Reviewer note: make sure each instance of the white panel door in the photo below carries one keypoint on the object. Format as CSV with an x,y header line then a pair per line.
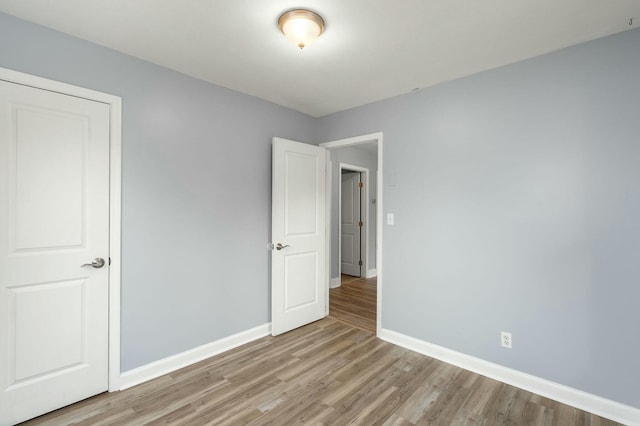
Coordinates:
x,y
350,229
54,217
298,269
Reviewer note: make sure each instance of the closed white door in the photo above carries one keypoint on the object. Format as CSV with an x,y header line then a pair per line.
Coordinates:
x,y
350,225
298,262
54,217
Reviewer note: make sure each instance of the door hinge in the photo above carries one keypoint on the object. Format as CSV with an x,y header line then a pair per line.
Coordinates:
x,y
360,224
360,262
360,184
109,261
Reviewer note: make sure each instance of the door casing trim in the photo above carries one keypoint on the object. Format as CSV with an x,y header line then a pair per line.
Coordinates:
x,y
341,143
115,189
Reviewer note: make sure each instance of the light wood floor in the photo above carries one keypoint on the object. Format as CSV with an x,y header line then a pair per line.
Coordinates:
x,y
354,302
324,373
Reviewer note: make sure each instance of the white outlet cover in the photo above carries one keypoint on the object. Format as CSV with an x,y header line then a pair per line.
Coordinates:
x,y
505,340
390,219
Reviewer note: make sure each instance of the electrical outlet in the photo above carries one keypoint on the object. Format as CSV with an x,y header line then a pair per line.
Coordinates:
x,y
505,340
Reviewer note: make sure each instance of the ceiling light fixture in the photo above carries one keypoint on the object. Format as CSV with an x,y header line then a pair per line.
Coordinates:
x,y
301,26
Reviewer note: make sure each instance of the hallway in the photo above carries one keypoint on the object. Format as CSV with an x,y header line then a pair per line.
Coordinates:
x,y
354,302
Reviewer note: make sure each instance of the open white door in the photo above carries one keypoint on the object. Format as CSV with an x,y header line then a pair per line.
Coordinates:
x,y
298,261
54,193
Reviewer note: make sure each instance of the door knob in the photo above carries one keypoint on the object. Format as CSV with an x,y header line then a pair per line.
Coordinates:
x,y
98,262
280,246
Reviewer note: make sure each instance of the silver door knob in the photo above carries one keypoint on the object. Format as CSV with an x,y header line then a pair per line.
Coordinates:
x,y
98,262
280,246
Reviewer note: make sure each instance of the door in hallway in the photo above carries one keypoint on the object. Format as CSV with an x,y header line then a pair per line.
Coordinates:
x,y
351,224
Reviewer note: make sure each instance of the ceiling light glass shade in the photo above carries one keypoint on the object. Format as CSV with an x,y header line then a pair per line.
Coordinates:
x,y
302,27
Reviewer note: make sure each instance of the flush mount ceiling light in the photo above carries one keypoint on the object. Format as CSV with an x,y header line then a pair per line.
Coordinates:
x,y
301,26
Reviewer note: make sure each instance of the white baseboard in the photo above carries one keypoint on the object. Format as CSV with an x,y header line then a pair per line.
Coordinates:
x,y
576,398
167,365
373,272
334,282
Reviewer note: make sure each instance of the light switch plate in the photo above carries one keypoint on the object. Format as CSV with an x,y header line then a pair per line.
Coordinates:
x,y
390,219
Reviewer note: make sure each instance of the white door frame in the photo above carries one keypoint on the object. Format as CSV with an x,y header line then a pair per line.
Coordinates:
x,y
115,169
341,143
364,238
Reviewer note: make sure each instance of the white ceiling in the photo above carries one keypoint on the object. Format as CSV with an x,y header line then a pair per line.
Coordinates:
x,y
371,50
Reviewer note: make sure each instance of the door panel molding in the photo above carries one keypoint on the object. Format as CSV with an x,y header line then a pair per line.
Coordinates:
x,y
115,171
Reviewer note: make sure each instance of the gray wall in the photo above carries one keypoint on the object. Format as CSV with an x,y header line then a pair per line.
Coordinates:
x,y
517,206
354,156
196,197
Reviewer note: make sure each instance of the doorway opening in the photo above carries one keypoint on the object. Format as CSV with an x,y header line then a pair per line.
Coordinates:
x,y
354,231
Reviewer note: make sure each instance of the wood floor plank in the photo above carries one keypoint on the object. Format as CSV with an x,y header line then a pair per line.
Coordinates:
x,y
354,302
326,373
